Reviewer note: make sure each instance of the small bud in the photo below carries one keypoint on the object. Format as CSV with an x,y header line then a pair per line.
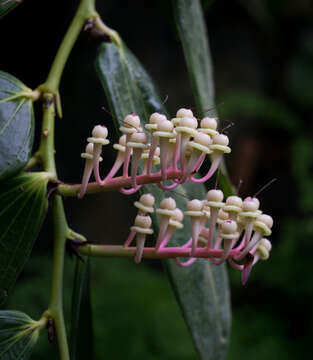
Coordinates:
x,y
182,113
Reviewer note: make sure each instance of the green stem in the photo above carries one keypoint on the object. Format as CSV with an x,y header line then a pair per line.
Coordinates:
x,y
85,11
55,309
46,148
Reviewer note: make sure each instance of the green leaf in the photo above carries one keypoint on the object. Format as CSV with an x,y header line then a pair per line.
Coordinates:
x,y
23,207
8,5
193,36
81,324
202,289
192,32
18,335
16,125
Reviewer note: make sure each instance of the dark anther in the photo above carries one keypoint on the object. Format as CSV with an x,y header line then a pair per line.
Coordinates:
x,y
51,330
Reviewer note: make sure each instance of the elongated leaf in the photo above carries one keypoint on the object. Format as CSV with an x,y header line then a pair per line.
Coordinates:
x,y
18,335
81,324
23,206
202,290
192,32
7,5
16,126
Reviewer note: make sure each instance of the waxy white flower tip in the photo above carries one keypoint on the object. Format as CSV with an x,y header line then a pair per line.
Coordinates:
x,y
189,122
215,195
182,113
250,204
156,118
266,219
138,137
228,227
220,139
222,215
143,221
88,154
202,139
147,200
234,201
208,123
168,204
178,215
89,148
194,205
266,243
263,249
166,126
100,131
122,140
132,121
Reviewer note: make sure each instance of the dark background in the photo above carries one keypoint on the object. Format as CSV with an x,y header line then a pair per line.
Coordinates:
x,y
262,53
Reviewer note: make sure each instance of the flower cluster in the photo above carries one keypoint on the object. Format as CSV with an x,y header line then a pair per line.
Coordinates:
x,y
233,230
179,145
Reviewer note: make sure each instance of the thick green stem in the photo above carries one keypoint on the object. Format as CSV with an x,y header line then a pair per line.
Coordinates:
x,y
46,149
56,300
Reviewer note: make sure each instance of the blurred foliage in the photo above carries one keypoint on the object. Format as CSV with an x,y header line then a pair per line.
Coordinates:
x,y
132,306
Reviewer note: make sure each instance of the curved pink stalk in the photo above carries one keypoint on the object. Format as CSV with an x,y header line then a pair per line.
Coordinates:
x,y
168,187
227,249
164,147
176,152
153,146
162,230
140,243
248,263
130,238
97,148
235,265
195,228
130,190
199,162
191,165
251,244
213,220
215,164
167,237
185,263
86,176
135,164
127,157
187,244
248,231
184,139
116,166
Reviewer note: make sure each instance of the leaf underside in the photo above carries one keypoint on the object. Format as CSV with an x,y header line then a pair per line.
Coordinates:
x,y
16,126
23,207
202,289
